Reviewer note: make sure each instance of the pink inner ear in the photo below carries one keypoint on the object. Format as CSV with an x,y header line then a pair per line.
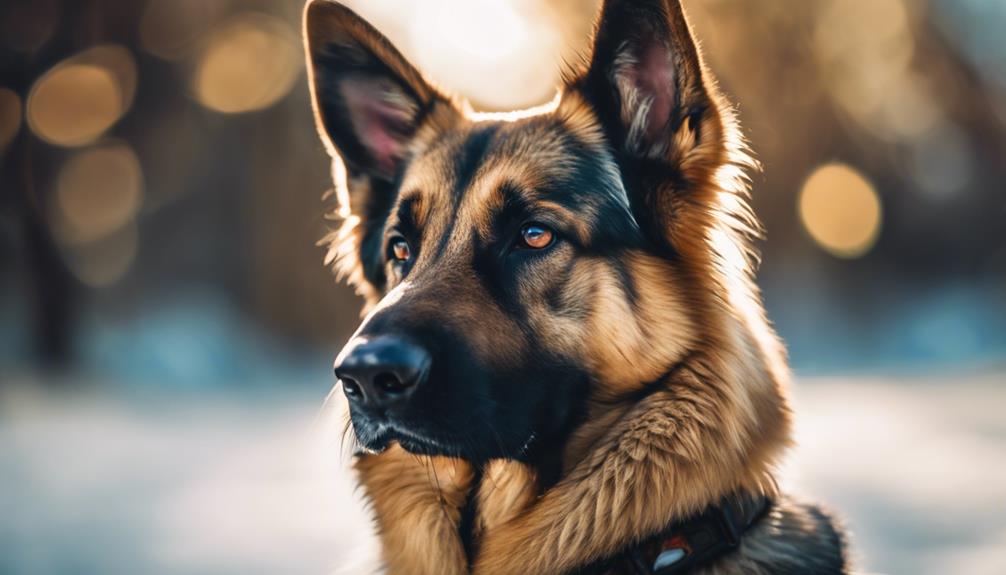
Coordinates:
x,y
655,79
378,123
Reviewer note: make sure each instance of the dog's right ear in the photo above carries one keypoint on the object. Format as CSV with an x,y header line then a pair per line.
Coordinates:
x,y
370,106
368,100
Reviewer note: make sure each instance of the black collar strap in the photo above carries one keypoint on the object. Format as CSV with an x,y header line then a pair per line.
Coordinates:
x,y
697,540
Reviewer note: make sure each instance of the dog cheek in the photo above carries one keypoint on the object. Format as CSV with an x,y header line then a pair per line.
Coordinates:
x,y
561,337
624,329
559,308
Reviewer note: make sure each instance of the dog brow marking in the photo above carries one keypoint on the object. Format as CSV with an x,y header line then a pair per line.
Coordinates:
x,y
462,160
430,185
527,162
416,208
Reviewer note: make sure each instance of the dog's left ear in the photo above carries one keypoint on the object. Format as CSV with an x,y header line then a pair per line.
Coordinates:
x,y
658,107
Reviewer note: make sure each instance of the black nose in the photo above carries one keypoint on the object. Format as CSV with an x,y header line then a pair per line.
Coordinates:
x,y
381,371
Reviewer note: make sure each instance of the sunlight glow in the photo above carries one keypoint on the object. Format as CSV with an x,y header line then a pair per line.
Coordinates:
x,y
501,54
489,30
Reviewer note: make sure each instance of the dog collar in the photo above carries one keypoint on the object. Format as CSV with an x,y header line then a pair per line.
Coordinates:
x,y
695,541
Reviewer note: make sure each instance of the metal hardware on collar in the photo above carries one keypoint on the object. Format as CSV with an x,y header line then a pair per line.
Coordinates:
x,y
695,541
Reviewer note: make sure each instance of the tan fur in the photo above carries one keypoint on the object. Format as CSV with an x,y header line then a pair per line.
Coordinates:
x,y
622,339
416,501
506,490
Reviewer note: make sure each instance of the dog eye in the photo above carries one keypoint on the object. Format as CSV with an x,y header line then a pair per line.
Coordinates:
x,y
399,250
536,236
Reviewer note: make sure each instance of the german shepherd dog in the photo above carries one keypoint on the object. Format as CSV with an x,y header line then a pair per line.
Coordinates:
x,y
564,366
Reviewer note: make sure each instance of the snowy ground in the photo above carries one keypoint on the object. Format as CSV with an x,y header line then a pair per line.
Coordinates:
x,y
248,483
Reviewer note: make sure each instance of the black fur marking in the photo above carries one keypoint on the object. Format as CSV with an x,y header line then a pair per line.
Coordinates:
x,y
588,185
379,203
466,526
470,156
627,282
405,219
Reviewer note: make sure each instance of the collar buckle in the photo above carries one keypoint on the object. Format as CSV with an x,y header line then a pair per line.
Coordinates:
x,y
705,537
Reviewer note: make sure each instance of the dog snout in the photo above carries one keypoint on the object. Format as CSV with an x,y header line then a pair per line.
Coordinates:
x,y
383,371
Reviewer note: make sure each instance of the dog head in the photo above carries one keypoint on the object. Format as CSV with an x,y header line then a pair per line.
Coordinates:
x,y
518,267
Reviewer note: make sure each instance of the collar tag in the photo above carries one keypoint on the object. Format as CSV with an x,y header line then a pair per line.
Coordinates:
x,y
668,558
704,537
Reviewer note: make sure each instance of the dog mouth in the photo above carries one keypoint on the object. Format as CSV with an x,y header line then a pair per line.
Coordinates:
x,y
379,438
375,439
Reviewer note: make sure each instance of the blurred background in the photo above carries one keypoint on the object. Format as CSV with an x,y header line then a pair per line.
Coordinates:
x,y
167,325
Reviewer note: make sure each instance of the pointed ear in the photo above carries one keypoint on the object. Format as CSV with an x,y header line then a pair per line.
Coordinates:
x,y
368,100
646,79
370,106
678,147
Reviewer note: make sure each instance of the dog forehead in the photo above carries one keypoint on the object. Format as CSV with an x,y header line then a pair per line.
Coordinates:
x,y
472,167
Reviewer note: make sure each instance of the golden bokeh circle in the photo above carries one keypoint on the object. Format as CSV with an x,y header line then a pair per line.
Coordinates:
x,y
170,29
249,63
119,62
98,192
841,210
106,261
73,105
80,98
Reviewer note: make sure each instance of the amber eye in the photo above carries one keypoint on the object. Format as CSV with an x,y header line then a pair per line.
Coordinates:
x,y
536,236
400,250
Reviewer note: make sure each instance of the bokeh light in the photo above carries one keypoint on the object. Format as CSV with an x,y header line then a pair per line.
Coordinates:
x,y
865,49
10,116
170,29
98,192
73,105
26,26
942,161
119,62
863,45
105,261
249,64
80,98
840,210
